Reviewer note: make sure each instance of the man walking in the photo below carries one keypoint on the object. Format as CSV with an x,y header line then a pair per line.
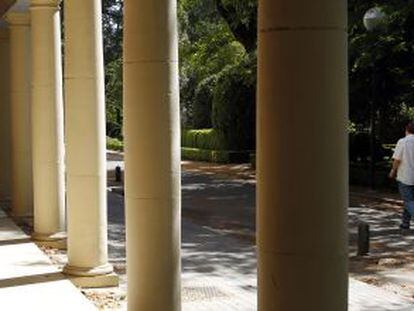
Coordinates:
x,y
403,171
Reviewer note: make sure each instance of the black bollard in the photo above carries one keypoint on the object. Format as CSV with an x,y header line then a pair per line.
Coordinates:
x,y
118,174
363,239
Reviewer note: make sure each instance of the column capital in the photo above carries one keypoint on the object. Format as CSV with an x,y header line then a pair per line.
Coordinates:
x,y
18,18
43,4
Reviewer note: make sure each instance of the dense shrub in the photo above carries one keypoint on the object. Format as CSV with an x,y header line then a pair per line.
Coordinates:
x,y
188,84
114,114
234,106
207,139
114,144
203,101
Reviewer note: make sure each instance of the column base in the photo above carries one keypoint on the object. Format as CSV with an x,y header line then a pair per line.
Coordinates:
x,y
98,277
57,240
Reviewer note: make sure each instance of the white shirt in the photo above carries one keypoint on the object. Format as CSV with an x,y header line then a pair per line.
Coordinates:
x,y
404,151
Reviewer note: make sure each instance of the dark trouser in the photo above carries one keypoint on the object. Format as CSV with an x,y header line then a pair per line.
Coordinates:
x,y
407,194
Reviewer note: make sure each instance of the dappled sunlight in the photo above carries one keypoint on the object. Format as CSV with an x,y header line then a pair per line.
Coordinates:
x,y
206,251
212,201
386,237
116,235
390,261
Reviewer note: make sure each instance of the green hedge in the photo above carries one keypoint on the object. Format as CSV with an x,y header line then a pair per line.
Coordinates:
x,y
207,139
216,156
234,105
114,144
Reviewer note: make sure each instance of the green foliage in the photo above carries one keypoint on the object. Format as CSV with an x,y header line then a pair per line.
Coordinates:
x,y
214,34
203,100
202,139
215,156
114,98
241,16
234,105
112,18
381,67
207,45
114,144
112,23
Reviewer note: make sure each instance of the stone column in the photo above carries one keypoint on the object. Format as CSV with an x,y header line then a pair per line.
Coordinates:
x,y
86,146
302,155
47,123
20,75
5,135
152,154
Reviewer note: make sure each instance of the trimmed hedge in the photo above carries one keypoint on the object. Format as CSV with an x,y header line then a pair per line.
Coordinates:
x,y
216,156
114,144
207,139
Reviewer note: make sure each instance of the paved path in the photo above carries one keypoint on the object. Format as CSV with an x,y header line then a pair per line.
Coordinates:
x,y
364,297
219,270
219,203
28,279
219,260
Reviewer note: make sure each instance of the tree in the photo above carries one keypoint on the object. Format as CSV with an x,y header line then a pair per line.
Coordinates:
x,y
207,45
112,19
241,16
381,66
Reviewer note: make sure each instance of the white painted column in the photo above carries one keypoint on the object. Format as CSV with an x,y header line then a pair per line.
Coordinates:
x,y
20,75
302,155
5,126
47,122
152,155
85,138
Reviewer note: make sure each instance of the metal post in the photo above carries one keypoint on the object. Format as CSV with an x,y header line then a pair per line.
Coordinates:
x,y
118,174
363,239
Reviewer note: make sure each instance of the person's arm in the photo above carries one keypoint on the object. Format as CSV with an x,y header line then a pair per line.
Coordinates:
x,y
394,169
396,159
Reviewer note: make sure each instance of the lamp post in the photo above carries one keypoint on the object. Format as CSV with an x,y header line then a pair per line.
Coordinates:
x,y
374,21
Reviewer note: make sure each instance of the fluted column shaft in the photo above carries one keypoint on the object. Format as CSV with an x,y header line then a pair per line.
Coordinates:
x,y
302,155
47,121
85,139
152,155
20,76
